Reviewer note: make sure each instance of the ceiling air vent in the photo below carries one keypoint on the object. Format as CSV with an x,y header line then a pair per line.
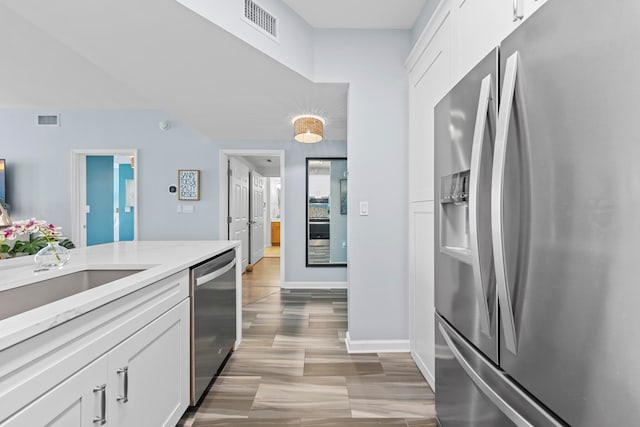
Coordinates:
x,y
48,120
260,17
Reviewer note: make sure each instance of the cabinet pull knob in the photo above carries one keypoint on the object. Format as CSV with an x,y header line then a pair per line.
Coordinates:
x,y
102,418
124,397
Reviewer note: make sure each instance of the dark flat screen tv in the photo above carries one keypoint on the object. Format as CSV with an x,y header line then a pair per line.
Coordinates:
x,y
3,196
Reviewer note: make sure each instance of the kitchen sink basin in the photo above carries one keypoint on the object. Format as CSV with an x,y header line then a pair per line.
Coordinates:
x,y
23,298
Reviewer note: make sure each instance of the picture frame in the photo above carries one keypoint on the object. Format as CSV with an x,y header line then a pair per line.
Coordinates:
x,y
189,184
343,197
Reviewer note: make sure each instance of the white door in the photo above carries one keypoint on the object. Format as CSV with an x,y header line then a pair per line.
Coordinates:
x,y
239,206
257,215
104,196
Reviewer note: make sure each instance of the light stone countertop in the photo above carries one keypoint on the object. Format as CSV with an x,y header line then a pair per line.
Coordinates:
x,y
159,259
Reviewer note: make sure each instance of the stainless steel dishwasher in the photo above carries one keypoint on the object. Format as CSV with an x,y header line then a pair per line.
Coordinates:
x,y
213,319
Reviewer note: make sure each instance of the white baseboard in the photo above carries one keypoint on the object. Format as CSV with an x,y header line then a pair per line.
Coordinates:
x,y
376,346
314,285
426,373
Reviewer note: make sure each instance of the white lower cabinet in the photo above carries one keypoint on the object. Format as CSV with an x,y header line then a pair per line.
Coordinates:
x,y
149,373
143,381
75,402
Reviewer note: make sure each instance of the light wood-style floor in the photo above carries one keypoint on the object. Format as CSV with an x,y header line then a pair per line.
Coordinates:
x,y
272,252
292,368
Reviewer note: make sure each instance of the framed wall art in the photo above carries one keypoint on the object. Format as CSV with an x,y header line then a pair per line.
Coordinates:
x,y
189,184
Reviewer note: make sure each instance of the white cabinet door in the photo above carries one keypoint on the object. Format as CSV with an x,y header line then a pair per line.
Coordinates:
x,y
78,401
421,279
479,27
429,82
149,373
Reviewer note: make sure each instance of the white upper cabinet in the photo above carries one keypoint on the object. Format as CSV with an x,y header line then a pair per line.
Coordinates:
x,y
478,28
428,81
480,25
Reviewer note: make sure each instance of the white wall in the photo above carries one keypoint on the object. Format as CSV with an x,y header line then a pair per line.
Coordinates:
x,y
295,36
39,176
372,63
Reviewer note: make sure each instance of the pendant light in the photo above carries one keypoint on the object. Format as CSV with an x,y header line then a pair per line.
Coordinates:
x,y
308,128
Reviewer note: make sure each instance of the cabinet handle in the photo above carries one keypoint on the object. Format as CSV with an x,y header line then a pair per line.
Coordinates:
x,y
102,418
517,10
124,397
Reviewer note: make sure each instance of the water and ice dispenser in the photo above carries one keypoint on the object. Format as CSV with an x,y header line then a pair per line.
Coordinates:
x,y
454,215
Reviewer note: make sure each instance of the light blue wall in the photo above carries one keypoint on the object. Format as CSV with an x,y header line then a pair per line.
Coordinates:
x,y
40,181
372,62
295,35
99,199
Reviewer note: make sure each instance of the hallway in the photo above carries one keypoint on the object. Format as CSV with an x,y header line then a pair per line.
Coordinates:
x,y
292,368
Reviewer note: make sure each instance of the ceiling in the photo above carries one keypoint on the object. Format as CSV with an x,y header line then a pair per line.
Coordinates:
x,y
74,54
358,14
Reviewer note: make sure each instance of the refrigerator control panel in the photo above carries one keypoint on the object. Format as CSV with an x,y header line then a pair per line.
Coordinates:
x,y
454,188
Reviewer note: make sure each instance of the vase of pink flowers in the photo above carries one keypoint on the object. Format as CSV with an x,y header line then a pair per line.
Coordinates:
x,y
48,243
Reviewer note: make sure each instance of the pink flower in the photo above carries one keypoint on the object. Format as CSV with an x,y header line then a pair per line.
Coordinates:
x,y
29,226
9,234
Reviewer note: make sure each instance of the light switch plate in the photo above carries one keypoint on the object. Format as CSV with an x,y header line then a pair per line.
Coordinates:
x,y
187,209
364,208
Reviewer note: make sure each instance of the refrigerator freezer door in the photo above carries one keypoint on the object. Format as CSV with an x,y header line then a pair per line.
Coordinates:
x,y
457,287
575,299
476,392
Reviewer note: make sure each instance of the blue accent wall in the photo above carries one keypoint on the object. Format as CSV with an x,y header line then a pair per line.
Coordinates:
x,y
125,218
100,199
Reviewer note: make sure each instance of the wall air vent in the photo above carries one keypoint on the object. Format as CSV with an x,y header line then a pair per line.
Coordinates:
x,y
48,120
260,18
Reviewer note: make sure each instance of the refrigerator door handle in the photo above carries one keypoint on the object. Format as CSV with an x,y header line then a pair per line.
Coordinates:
x,y
485,111
485,388
505,111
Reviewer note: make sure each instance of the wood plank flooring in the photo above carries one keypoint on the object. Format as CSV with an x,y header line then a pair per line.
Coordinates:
x,y
292,368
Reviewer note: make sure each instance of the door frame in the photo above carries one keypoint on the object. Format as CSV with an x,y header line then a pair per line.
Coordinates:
x,y
79,189
224,195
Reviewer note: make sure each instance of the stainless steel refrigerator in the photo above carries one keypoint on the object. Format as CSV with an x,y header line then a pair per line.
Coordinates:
x,y
538,224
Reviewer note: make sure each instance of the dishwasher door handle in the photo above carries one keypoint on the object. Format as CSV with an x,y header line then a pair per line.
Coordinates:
x,y
211,276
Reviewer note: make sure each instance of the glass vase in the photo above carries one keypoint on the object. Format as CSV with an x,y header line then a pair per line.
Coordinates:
x,y
52,256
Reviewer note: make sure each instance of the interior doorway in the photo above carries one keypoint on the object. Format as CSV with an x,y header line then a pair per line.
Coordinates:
x,y
104,197
247,208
